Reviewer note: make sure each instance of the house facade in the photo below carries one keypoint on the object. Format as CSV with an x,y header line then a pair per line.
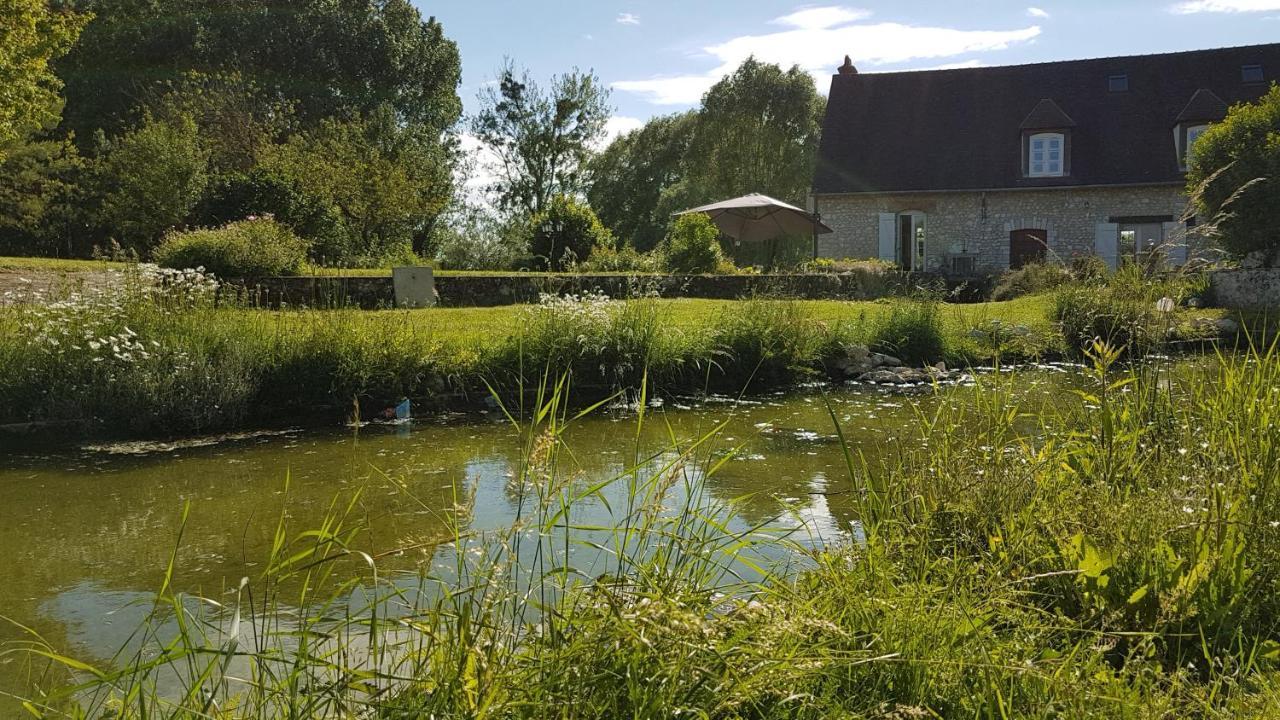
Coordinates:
x,y
979,170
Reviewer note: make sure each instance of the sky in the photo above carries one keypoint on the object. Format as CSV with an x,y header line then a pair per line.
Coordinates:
x,y
660,56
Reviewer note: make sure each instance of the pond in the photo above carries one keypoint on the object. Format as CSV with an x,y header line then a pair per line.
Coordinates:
x,y
87,533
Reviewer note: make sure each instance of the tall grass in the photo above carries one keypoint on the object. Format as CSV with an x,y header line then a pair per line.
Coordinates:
x,y
1114,555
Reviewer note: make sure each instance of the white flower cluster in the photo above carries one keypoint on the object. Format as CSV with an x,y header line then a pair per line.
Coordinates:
x,y
589,307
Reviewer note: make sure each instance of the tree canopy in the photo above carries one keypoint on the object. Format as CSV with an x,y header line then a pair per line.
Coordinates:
x,y
330,57
757,130
1234,176
31,36
542,138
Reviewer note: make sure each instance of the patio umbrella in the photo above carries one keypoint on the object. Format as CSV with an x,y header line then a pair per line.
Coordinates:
x,y
760,218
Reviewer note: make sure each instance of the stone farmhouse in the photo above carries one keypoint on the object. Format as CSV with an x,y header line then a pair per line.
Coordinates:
x,y
977,170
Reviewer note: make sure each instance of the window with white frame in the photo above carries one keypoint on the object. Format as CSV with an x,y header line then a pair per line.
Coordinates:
x,y
1046,155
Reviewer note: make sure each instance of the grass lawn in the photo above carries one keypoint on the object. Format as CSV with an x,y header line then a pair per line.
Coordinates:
x,y
486,325
58,264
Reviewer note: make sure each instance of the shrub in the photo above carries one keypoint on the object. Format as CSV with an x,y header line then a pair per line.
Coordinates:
x,y
151,179
848,265
693,245
626,259
912,331
566,232
1122,320
1030,280
1089,268
250,248
1234,177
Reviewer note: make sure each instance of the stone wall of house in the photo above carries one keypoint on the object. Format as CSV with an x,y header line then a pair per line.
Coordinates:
x,y
979,223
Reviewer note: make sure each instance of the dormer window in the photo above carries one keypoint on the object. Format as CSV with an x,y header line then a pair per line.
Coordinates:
x,y
1118,83
1189,149
1046,141
1046,155
1251,73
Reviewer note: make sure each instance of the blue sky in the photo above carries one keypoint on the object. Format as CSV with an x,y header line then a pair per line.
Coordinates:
x,y
659,56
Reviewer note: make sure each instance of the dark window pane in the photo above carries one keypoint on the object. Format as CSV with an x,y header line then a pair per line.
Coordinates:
x,y
1251,73
1118,83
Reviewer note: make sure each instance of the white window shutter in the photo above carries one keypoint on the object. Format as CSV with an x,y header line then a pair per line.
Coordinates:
x,y
1106,240
1175,242
888,237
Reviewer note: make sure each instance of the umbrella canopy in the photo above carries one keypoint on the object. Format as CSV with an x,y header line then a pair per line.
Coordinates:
x,y
756,218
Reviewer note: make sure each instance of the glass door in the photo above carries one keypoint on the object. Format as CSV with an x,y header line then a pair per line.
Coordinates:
x,y
911,241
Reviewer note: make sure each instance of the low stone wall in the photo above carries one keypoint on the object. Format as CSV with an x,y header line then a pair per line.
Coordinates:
x,y
1246,289
494,290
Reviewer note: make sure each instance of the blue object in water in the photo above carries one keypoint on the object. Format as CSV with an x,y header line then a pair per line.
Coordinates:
x,y
402,410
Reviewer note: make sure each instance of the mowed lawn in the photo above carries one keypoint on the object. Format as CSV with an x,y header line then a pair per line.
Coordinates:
x,y
486,325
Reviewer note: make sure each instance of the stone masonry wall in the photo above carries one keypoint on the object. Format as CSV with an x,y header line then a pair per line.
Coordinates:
x,y
958,223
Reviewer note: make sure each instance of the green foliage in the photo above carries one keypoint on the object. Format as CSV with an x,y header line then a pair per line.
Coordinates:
x,y
1122,320
256,247
764,341
693,245
1234,177
565,233
757,130
32,35
610,258
40,200
387,183
542,138
327,58
628,178
266,191
150,179
1031,279
476,240
849,265
1089,268
912,331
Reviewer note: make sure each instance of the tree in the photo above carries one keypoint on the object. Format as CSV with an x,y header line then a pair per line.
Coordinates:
x,y
40,199
757,131
388,183
565,232
628,178
31,36
150,179
330,57
1234,177
542,139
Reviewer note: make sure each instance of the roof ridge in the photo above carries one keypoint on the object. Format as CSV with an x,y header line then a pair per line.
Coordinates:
x,y
1038,63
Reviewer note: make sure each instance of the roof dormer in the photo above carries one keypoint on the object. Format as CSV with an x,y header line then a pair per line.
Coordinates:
x,y
1046,141
1204,109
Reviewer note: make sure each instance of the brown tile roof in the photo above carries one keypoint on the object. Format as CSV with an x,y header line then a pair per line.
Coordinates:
x,y
962,129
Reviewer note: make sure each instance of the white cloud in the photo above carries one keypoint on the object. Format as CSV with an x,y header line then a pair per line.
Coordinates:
x,y
620,125
628,19
819,18
1225,6
819,38
1036,12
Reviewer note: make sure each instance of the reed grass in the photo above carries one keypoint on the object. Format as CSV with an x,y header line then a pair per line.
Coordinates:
x,y
1115,555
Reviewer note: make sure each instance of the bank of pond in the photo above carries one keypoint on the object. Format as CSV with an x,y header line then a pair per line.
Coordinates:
x,y
163,359
1069,540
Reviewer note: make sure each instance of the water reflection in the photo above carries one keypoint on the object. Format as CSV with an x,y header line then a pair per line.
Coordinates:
x,y
87,534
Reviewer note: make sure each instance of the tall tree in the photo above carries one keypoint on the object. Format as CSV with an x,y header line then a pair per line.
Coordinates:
x,y
542,139
330,57
31,36
757,131
628,178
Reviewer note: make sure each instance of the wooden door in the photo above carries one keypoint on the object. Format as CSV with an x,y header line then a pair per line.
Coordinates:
x,y
1026,247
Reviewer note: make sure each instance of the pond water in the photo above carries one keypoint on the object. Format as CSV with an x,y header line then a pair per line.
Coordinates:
x,y
87,533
